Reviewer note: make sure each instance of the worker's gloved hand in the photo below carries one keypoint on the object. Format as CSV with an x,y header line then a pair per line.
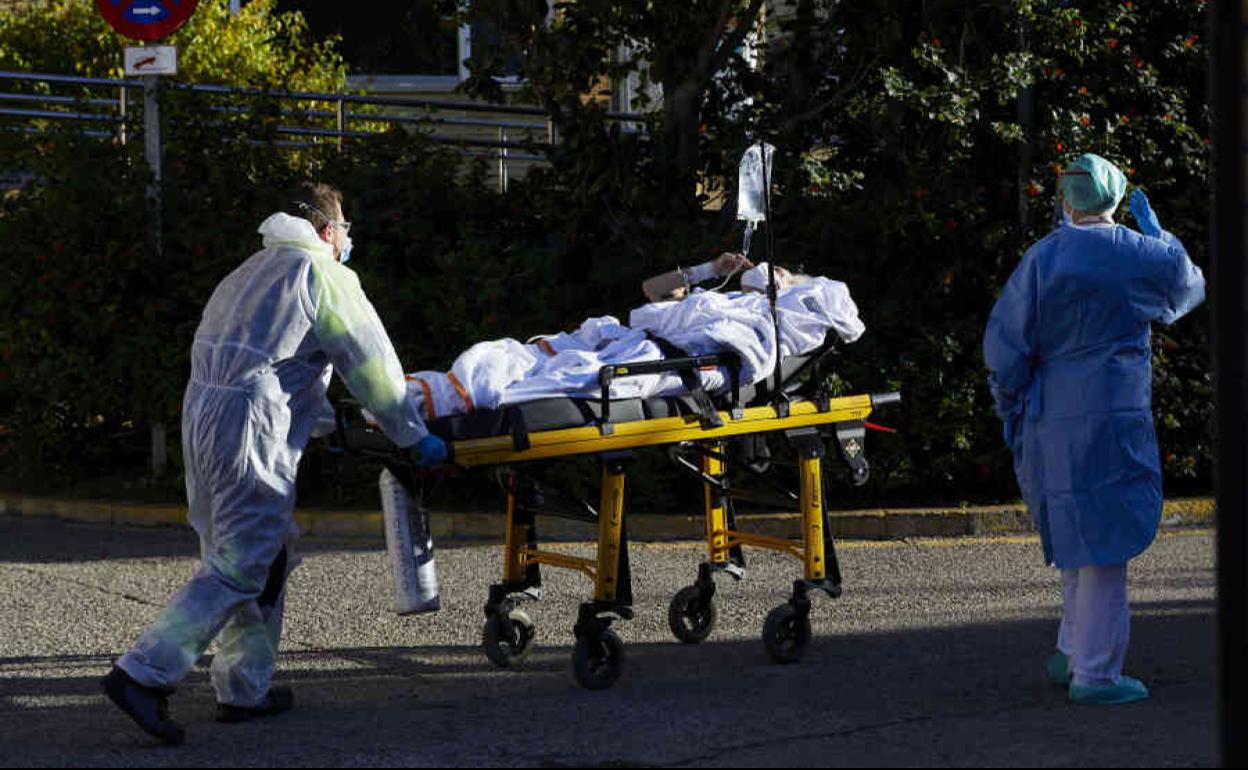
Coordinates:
x,y
1143,213
428,452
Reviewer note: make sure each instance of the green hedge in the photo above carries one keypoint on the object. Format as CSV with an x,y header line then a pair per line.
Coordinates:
x,y
919,187
926,180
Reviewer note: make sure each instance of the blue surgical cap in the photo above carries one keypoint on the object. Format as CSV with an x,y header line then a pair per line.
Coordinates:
x,y
1092,183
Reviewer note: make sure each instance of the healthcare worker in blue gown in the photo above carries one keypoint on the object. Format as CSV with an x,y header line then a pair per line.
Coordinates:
x,y
1067,349
270,336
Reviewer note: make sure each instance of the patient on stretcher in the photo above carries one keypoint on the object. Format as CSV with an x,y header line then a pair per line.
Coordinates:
x,y
502,372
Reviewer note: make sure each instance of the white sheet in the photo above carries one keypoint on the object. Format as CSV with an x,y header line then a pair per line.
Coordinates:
x,y
500,372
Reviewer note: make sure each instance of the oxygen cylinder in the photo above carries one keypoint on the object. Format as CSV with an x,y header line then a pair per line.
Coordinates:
x,y
410,548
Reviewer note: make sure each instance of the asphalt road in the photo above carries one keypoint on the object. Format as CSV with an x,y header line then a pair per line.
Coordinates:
x,y
934,657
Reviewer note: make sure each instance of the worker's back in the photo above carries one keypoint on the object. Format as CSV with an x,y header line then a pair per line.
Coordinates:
x,y
1097,290
259,323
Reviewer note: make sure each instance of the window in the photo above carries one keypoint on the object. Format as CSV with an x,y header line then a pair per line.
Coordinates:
x,y
410,44
413,45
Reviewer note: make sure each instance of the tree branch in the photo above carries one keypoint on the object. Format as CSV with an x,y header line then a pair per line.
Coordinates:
x,y
829,103
734,40
707,55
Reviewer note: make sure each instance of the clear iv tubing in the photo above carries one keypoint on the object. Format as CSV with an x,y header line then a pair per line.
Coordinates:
x,y
748,236
728,278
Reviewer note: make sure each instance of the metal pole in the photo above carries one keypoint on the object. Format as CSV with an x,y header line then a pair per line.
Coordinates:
x,y
153,149
341,119
782,407
121,113
1229,284
502,160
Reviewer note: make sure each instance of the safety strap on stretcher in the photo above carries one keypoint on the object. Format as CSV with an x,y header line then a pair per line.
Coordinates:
x,y
692,381
707,413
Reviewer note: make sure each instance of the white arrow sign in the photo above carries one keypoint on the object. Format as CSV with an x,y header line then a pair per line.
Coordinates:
x,y
148,10
151,60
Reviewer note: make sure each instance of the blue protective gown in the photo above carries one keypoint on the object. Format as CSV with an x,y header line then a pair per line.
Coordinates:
x,y
1067,349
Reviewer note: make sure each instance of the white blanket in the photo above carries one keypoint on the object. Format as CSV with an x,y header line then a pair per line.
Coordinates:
x,y
500,372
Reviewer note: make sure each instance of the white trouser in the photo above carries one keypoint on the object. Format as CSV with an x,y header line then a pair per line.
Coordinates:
x,y
240,485
244,615
1096,623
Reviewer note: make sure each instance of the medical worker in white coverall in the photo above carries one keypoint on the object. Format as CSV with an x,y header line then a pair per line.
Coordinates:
x,y
260,364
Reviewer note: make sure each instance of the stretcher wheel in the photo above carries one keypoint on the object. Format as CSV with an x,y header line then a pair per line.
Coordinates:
x,y
692,615
598,660
507,650
786,634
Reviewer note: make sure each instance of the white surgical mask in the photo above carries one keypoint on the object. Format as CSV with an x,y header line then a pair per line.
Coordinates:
x,y
756,278
345,254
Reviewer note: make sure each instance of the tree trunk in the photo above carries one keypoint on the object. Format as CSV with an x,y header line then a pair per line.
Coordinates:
x,y
682,108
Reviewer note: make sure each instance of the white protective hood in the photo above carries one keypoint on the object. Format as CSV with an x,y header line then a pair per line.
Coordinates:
x,y
283,229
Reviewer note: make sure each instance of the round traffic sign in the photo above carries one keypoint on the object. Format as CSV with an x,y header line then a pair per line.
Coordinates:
x,y
146,19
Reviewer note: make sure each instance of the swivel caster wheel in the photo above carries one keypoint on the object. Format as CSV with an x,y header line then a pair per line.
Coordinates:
x,y
786,634
508,644
598,660
692,615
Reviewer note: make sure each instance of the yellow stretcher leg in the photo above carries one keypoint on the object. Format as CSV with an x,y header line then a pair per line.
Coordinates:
x,y
812,516
716,511
610,527
517,539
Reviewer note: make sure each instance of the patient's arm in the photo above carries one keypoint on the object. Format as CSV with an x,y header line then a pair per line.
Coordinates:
x,y
670,285
675,283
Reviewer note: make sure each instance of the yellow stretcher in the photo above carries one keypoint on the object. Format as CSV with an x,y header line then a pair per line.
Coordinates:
x,y
698,435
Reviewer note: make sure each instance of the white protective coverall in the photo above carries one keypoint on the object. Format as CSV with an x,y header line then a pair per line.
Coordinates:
x,y
260,364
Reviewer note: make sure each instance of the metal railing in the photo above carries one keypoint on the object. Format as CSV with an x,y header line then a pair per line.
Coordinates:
x,y
508,134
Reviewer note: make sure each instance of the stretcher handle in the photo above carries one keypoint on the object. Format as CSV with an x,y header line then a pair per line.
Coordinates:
x,y
607,374
352,433
884,399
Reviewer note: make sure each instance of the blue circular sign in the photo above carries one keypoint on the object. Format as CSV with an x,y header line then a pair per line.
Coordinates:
x,y
146,20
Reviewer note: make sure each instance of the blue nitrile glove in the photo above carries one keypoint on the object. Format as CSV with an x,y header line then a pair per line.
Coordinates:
x,y
429,451
1143,213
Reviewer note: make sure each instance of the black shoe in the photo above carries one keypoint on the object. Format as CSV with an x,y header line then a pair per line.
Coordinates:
x,y
277,700
147,706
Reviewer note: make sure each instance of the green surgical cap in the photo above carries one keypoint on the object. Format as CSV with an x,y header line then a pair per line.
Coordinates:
x,y
1099,189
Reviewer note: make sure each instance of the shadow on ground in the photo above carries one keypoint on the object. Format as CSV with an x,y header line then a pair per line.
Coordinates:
x,y
965,695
